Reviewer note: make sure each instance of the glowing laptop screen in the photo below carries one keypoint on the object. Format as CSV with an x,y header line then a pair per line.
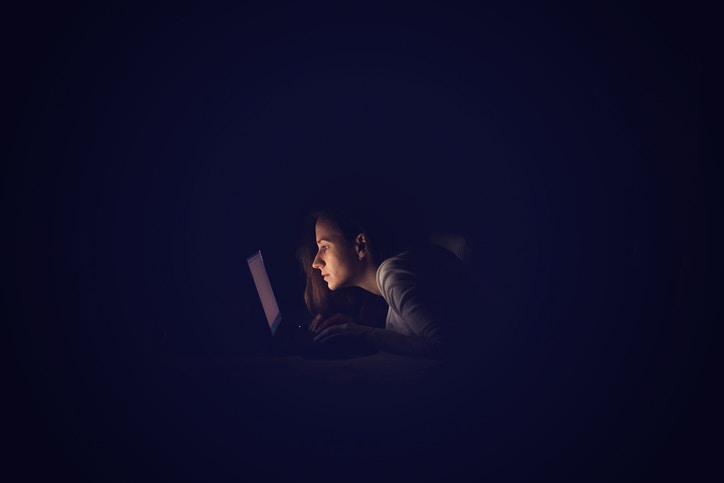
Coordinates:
x,y
264,288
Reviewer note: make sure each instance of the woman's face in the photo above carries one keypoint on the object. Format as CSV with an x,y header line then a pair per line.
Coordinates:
x,y
336,258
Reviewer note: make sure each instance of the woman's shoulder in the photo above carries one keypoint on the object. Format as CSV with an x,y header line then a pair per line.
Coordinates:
x,y
435,273
420,260
424,254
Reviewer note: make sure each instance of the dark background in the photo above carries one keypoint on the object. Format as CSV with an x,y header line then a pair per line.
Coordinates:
x,y
151,149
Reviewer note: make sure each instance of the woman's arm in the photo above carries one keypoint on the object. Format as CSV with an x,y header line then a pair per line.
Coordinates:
x,y
382,339
409,345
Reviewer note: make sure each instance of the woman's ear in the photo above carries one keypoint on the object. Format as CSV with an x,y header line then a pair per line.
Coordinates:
x,y
361,245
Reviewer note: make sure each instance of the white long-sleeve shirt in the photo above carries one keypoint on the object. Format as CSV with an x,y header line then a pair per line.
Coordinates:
x,y
427,291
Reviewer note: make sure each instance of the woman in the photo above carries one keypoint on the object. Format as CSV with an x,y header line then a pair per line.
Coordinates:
x,y
426,288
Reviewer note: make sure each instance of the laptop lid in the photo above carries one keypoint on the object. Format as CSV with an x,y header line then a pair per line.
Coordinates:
x,y
264,288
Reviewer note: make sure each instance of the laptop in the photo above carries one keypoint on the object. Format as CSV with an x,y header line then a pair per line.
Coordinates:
x,y
294,338
264,289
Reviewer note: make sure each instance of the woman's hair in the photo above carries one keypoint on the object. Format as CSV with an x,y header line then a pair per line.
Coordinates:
x,y
353,215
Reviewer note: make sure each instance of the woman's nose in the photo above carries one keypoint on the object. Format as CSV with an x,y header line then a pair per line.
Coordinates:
x,y
317,262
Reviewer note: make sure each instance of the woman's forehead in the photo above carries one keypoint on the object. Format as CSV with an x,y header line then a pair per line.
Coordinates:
x,y
326,229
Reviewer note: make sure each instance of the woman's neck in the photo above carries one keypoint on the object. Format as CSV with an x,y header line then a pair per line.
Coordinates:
x,y
368,280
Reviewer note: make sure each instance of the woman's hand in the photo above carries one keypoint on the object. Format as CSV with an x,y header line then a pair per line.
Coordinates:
x,y
341,325
336,326
347,329
319,323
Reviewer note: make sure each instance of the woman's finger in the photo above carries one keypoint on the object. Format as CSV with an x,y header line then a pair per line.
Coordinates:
x,y
314,323
329,333
322,336
329,322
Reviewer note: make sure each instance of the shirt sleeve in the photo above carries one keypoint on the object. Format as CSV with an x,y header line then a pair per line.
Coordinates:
x,y
409,298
